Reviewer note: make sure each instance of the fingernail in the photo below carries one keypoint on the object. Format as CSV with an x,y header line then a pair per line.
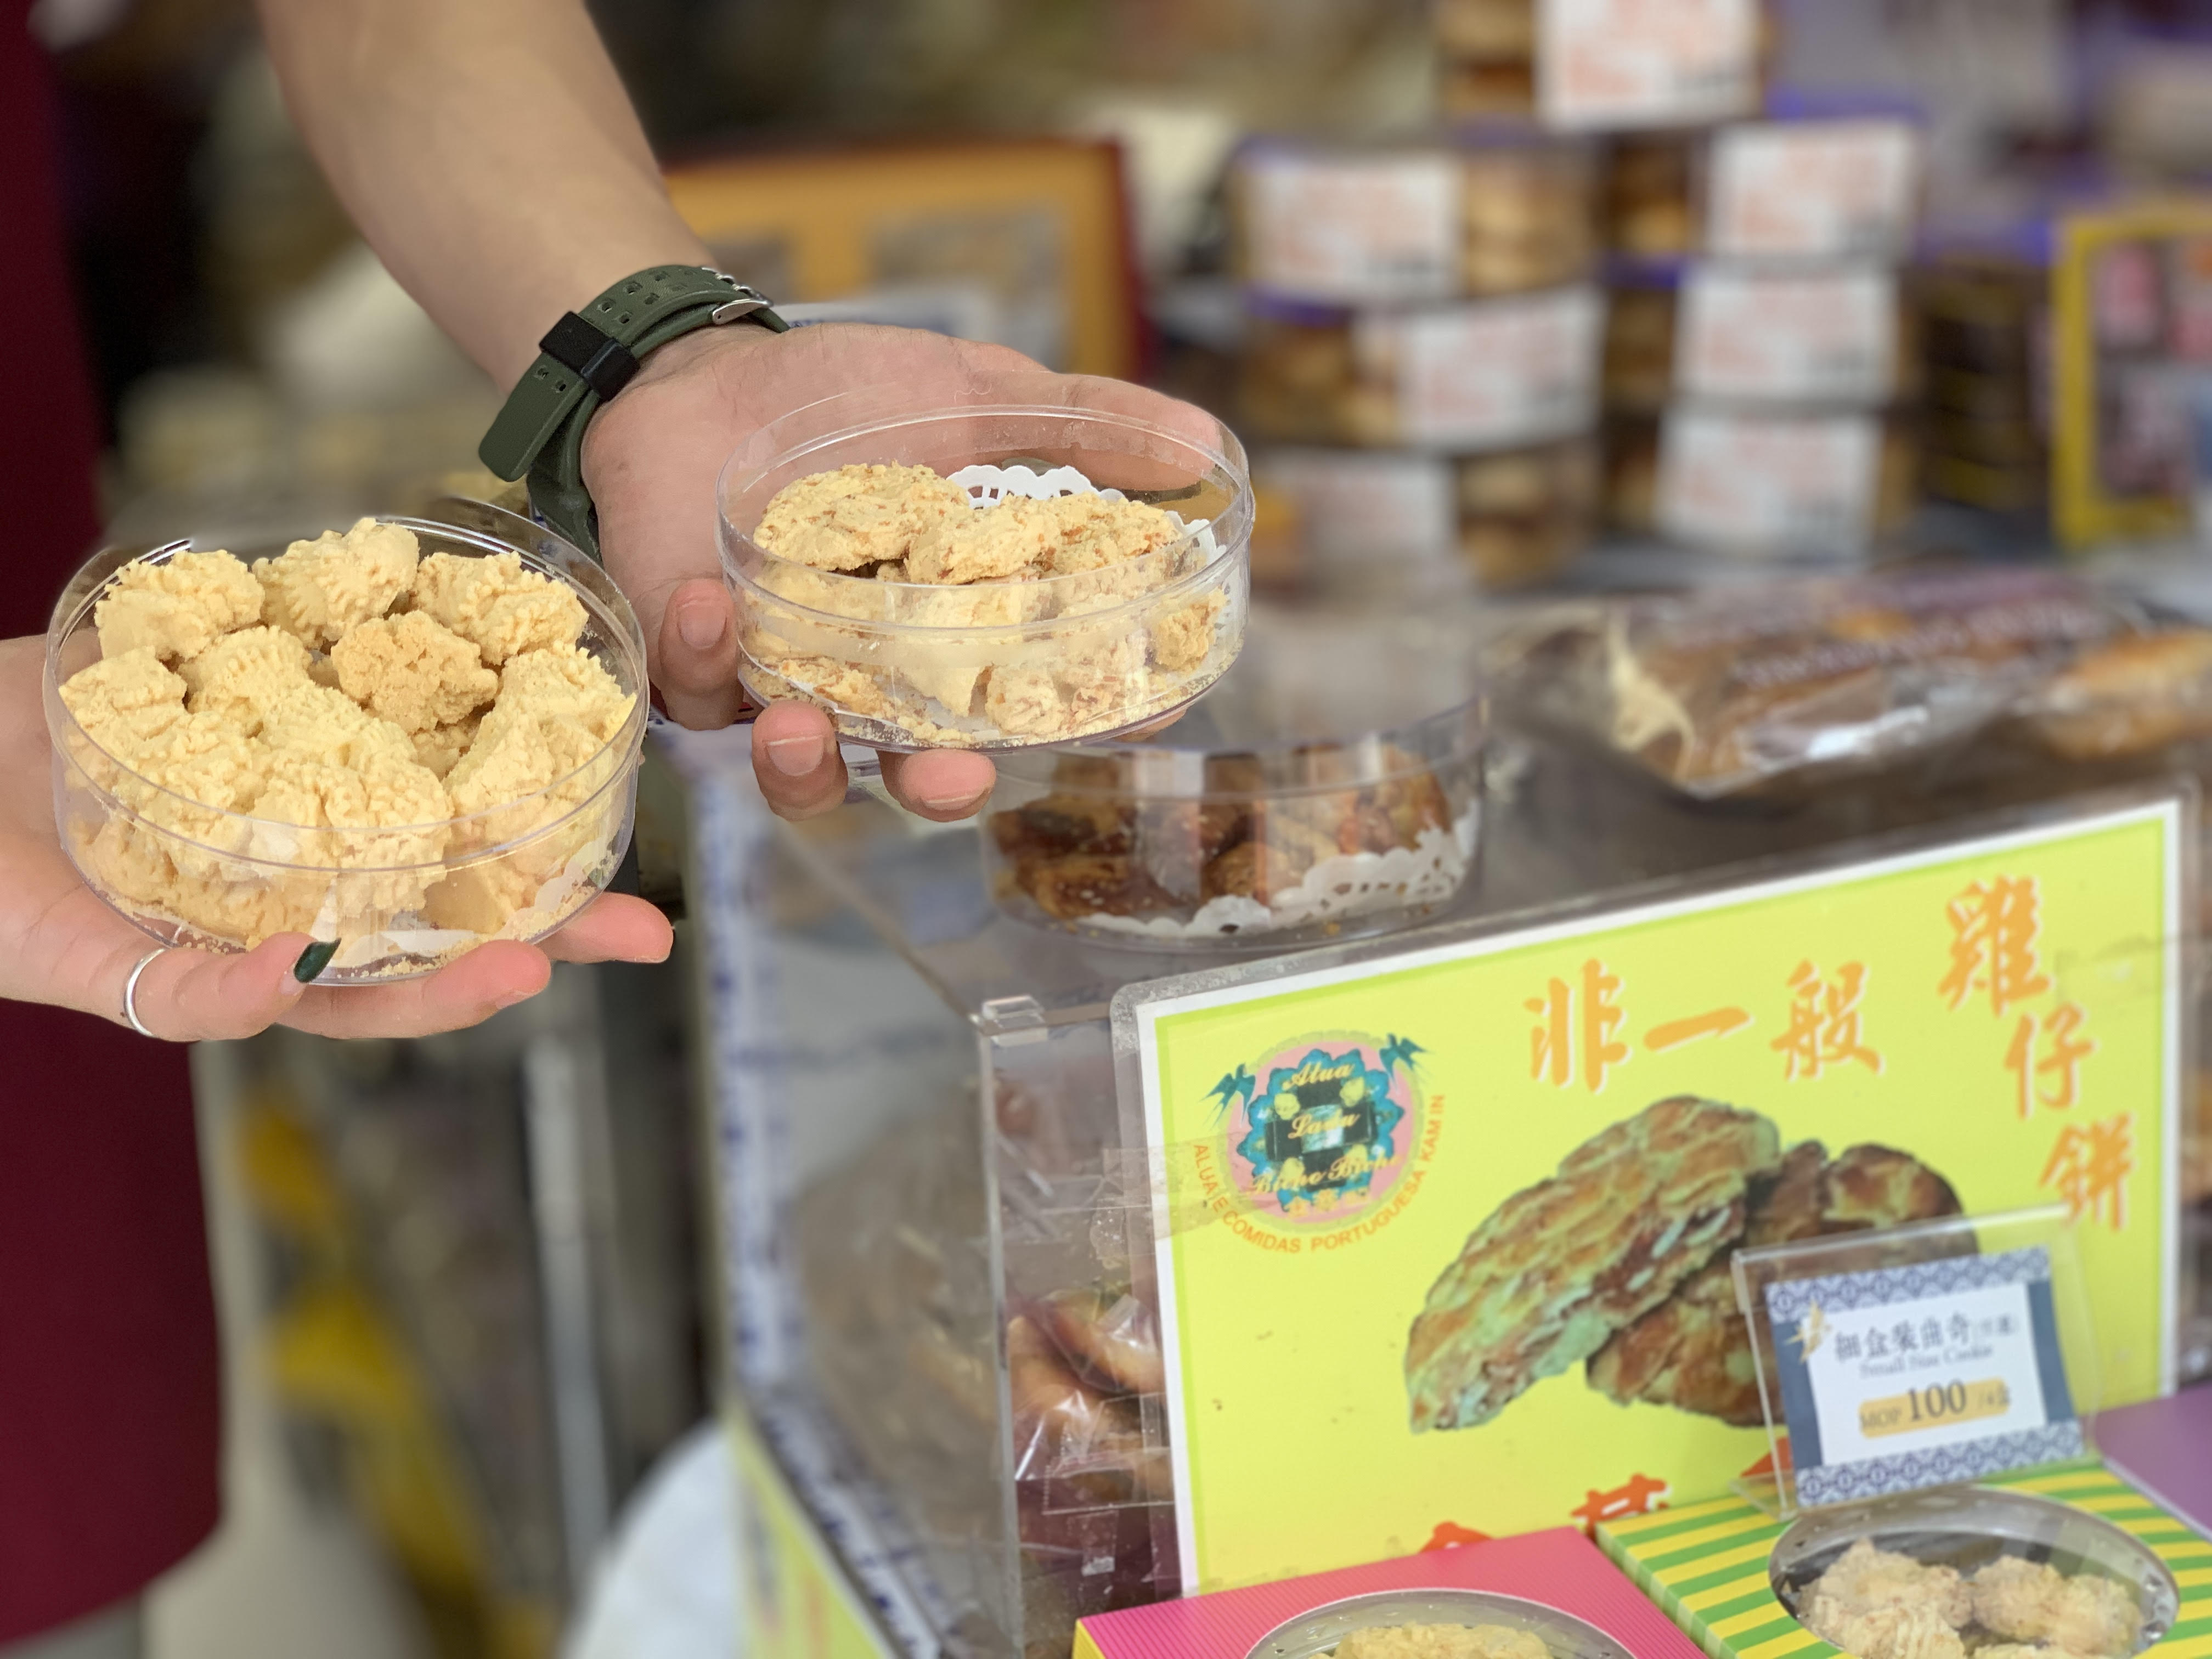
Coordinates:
x,y
312,960
513,997
953,802
700,625
795,758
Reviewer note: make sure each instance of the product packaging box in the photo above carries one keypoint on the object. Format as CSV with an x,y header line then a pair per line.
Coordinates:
x,y
1551,1585
2000,1562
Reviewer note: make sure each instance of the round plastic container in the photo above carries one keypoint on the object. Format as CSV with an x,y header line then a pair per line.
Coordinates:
x,y
1317,1634
1307,797
399,901
1968,1528
997,664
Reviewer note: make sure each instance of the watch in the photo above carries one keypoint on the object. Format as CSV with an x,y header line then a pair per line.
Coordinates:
x,y
585,360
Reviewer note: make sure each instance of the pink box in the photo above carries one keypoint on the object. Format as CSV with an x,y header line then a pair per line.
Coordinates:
x,y
1561,1571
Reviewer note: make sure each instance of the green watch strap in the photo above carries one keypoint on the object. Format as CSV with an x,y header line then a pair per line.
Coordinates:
x,y
587,359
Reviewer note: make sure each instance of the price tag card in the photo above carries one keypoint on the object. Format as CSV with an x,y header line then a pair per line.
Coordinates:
x,y
1492,372
1353,230
1813,190
1762,336
1769,483
1608,63
1923,1375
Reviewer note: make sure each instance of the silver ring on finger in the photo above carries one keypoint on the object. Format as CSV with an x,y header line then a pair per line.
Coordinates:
x,y
131,990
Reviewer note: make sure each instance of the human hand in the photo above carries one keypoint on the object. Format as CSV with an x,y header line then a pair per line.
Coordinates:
x,y
60,943
651,459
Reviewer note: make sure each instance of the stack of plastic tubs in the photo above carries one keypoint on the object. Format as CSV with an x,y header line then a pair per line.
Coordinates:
x,y
1421,353
1761,356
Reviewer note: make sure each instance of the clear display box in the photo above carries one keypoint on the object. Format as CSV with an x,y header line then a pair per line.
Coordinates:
x,y
935,1236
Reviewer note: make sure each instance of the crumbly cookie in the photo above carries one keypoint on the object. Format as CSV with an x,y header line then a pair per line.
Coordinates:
x,y
2032,1601
1016,538
413,670
1443,1642
498,604
1866,1576
856,516
178,608
1694,1351
320,589
1560,1266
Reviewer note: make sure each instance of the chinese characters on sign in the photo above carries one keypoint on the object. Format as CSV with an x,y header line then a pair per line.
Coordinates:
x,y
1580,1030
1824,1021
1995,953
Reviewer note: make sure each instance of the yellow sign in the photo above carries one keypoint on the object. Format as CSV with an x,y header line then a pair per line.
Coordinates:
x,y
797,1602
1933,1404
1444,1234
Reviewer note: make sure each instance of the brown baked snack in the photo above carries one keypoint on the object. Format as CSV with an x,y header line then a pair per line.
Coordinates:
x,y
2137,694
1560,1266
1694,1351
1091,849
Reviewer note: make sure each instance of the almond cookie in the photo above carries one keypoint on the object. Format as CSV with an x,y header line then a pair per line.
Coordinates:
x,y
1560,1266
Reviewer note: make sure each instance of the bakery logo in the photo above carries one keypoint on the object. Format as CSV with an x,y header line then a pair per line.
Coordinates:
x,y
1321,1130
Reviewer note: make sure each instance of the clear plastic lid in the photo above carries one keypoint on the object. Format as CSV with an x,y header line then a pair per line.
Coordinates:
x,y
1994,1566
1321,1632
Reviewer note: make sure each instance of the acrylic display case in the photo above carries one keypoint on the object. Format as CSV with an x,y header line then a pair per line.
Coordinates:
x,y
937,1224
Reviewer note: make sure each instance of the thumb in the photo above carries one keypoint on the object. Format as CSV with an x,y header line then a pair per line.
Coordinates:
x,y
698,655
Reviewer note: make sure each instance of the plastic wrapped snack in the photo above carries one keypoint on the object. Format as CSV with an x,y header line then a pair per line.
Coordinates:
x,y
888,568
1755,690
405,738
1267,816
1437,1624
1941,1574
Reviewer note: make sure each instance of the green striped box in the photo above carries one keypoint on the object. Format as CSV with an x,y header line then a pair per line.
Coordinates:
x,y
1705,1564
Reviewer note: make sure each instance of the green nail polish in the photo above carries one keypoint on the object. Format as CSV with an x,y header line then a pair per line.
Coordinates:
x,y
312,960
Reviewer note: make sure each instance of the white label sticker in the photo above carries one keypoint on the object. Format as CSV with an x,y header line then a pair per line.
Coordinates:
x,y
1354,230
1769,483
1827,336
1490,373
1352,506
1813,189
1646,63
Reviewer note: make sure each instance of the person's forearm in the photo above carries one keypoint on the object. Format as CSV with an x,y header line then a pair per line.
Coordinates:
x,y
487,152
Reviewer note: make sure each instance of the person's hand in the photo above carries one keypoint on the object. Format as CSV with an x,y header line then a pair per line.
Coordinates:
x,y
650,460
60,942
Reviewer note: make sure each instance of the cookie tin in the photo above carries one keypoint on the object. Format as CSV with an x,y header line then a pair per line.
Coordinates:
x,y
1967,1528
1314,1634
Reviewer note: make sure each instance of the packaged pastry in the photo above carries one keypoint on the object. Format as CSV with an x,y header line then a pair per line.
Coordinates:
x,y
890,570
1839,337
1482,374
1399,521
1783,483
407,737
1281,808
1939,1574
1648,195
1786,684
1349,225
